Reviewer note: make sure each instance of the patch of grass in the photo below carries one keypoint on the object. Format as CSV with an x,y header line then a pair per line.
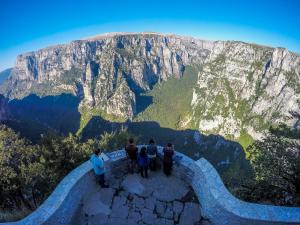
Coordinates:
x,y
293,80
126,53
230,91
70,76
258,65
242,109
171,100
88,113
250,77
245,139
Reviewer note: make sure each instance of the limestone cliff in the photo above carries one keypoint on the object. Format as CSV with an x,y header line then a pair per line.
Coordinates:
x,y
240,90
245,88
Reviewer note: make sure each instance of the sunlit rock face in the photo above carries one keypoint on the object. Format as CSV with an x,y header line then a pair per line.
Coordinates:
x,y
241,87
107,70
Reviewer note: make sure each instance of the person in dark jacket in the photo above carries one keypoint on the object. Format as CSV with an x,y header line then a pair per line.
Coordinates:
x,y
131,151
143,162
152,154
168,159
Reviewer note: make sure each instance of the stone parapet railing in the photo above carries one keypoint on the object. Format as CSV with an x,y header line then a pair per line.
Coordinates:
x,y
221,207
62,204
217,204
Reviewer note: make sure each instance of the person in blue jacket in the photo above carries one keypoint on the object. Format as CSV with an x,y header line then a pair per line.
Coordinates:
x,y
143,162
98,166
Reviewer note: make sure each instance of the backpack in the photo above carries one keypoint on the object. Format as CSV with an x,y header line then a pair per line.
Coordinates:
x,y
168,155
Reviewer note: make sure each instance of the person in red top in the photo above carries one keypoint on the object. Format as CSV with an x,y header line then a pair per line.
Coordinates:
x,y
131,151
168,159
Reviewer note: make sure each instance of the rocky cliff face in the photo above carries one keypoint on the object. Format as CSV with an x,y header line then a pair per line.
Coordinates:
x,y
3,108
107,71
241,88
244,88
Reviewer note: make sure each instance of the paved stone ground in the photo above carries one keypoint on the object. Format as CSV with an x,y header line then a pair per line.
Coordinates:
x,y
133,200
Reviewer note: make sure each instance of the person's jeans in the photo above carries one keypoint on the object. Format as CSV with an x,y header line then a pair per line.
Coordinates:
x,y
144,171
132,165
101,179
167,168
152,163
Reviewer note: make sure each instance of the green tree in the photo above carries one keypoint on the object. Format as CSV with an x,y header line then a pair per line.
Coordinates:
x,y
276,159
29,173
16,156
115,140
62,154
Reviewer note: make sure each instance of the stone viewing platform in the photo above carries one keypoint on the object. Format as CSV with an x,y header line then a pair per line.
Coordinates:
x,y
194,194
132,200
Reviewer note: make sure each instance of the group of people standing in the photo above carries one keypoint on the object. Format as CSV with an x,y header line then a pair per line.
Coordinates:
x,y
146,158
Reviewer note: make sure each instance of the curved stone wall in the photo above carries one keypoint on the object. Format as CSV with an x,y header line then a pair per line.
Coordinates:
x,y
221,207
217,204
61,205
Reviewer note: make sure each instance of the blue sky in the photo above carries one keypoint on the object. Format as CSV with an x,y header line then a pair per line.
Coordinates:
x,y
30,25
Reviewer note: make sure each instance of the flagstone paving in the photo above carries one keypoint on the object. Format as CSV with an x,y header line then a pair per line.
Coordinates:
x,y
133,200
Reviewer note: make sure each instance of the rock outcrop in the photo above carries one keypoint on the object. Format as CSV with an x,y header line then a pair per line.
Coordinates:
x,y
247,87
241,87
3,108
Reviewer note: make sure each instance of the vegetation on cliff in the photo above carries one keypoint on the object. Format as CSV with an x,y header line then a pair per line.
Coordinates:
x,y
29,173
276,163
